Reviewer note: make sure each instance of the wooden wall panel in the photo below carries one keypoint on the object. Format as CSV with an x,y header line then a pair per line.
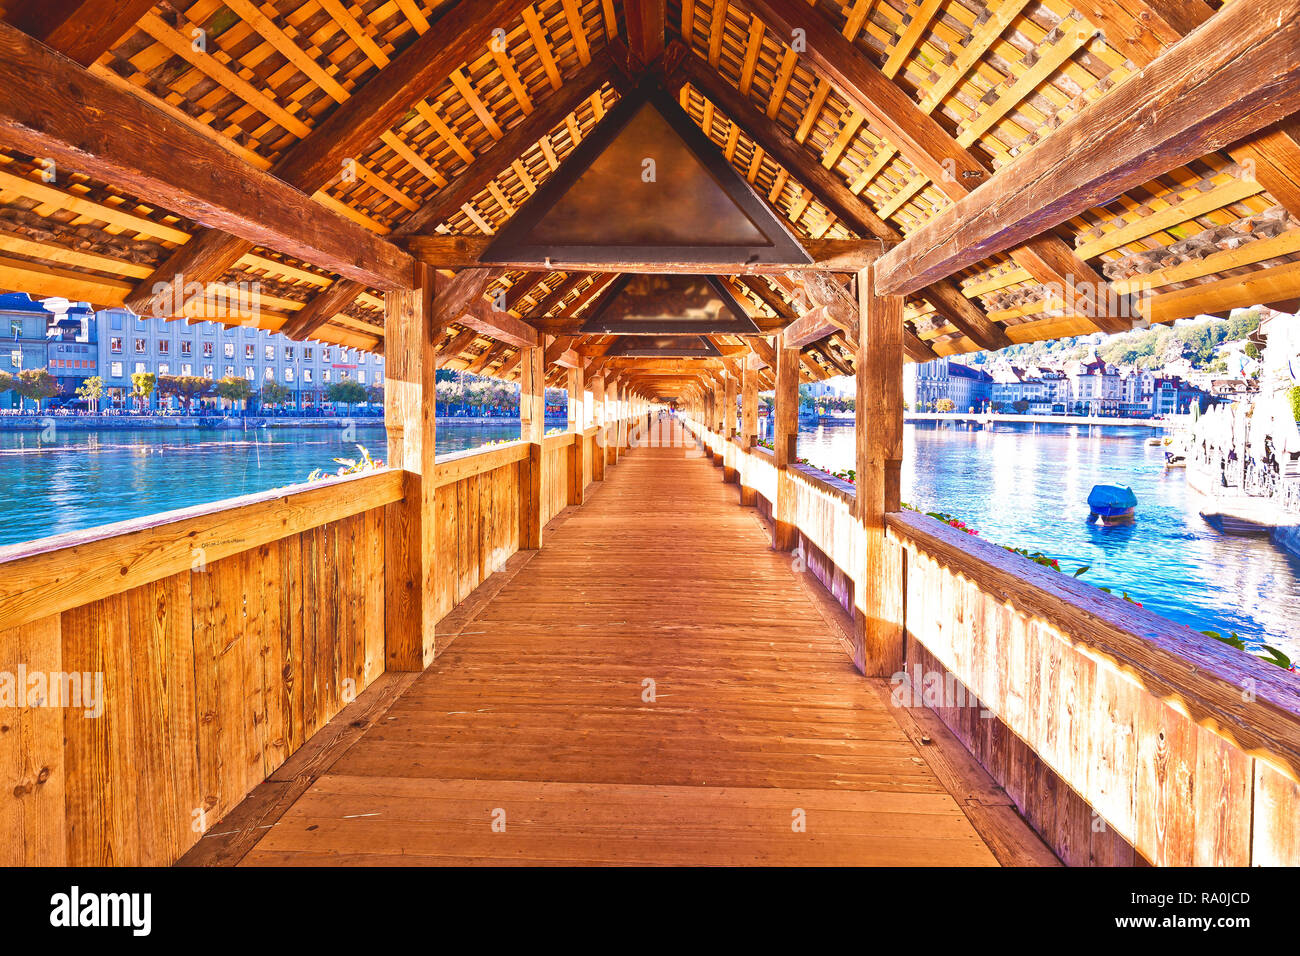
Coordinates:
x,y
32,768
555,480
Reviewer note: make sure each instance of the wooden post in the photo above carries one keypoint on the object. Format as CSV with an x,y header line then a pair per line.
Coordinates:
x,y
598,419
729,430
532,426
748,424
611,424
785,441
578,450
409,527
878,623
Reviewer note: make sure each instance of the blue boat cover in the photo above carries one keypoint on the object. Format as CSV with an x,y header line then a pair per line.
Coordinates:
x,y
1111,498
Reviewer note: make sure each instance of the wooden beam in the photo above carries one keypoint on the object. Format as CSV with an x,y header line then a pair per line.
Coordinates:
x,y
729,474
1231,76
828,255
346,134
833,193
475,312
878,621
54,108
326,304
646,21
82,30
410,526
1273,285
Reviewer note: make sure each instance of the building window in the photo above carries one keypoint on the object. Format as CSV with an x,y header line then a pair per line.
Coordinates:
x,y
250,350
187,348
115,322
288,374
187,369
115,370
306,353
207,350
229,372
361,378
288,353
325,375
164,368
164,347
269,352
270,374
209,372
250,373
325,355
306,375
139,367
230,349
115,345
141,346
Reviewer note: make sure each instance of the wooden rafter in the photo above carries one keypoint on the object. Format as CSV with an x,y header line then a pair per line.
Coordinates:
x,y
1232,76
191,176
345,134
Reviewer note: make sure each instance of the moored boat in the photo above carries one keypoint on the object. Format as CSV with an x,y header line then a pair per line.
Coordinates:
x,y
1111,504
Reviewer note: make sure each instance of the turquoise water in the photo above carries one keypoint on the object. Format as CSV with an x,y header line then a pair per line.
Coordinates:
x,y
86,478
1020,485
1026,486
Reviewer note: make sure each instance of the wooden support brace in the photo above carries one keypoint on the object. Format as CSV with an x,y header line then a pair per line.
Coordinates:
x,y
578,450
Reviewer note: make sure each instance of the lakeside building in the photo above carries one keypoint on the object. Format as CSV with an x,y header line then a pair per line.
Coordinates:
x,y
1089,387
74,343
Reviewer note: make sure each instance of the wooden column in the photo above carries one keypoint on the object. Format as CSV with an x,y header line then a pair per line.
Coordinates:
x,y
878,623
748,423
411,334
598,419
785,441
532,426
577,422
611,424
729,430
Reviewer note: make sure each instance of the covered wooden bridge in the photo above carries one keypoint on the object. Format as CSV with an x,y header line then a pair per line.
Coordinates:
x,y
647,638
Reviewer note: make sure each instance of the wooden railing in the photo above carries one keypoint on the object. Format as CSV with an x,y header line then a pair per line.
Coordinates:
x,y
223,637
220,639
1120,736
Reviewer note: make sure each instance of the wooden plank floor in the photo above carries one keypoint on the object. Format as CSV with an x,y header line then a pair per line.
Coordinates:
x,y
542,715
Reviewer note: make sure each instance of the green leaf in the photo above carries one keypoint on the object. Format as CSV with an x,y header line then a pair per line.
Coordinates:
x,y
1082,570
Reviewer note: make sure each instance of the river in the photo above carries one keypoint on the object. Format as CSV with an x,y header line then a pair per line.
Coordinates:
x,y
1020,485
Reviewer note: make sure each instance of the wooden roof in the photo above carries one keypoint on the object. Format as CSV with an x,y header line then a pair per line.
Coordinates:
x,y
412,122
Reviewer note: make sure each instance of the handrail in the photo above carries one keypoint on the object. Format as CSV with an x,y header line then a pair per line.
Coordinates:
x,y
562,440
1201,676
477,461
64,571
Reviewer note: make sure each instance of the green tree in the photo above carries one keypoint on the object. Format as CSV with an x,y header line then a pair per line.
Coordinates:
x,y
234,388
190,388
347,392
945,405
36,384
92,390
273,393
1020,405
143,385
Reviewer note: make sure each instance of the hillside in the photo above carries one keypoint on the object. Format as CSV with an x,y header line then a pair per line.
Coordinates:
x,y
1145,348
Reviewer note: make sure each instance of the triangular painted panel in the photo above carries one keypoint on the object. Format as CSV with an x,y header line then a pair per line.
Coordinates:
x,y
662,346
660,304
646,186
